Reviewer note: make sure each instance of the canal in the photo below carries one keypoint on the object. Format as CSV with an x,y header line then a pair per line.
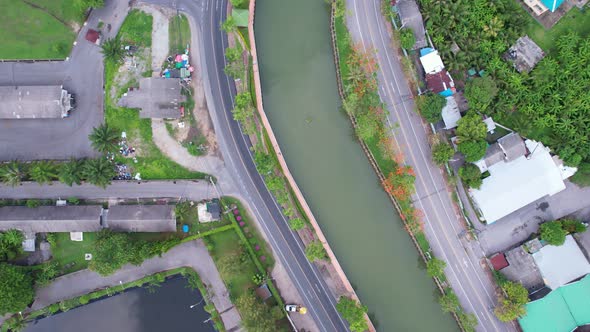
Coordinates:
x,y
167,308
301,100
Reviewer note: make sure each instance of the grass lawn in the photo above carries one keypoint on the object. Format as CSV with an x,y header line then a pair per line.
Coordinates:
x,y
152,164
225,243
179,34
66,10
70,254
575,20
31,33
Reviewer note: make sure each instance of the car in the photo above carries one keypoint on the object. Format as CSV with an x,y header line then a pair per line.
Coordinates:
x,y
295,308
72,100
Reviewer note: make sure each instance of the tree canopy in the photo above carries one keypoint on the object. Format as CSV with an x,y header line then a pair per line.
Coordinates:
x,y
16,289
471,128
353,312
406,38
315,251
512,306
104,138
255,315
442,152
480,92
553,233
470,175
430,106
435,267
10,244
473,150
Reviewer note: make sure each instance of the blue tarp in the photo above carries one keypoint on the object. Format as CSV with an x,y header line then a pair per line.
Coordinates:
x,y
426,50
552,4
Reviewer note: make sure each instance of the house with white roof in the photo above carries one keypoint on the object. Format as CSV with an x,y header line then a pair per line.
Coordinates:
x,y
451,113
517,177
431,61
562,264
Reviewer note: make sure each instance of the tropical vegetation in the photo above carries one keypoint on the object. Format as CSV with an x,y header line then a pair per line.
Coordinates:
x,y
554,232
442,152
430,106
435,267
353,312
471,176
16,289
512,303
104,138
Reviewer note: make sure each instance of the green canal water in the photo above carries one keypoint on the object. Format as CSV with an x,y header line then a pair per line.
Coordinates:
x,y
302,103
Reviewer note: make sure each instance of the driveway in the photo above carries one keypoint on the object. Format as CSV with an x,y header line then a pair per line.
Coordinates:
x,y
81,74
192,254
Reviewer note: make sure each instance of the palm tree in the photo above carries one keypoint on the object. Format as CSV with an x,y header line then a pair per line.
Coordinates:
x,y
113,50
43,171
72,172
104,138
13,237
12,173
99,172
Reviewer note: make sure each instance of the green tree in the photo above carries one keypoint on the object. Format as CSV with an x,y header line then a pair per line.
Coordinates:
x,y
12,173
229,25
233,54
471,128
237,3
572,226
99,172
16,289
264,162
353,312
406,38
296,224
436,267
111,252
430,106
473,150
258,278
16,323
234,69
10,244
351,103
480,92
43,171
470,175
104,138
553,233
449,301
441,153
72,171
255,315
47,273
366,127
468,321
243,100
315,251
512,305
112,50
243,115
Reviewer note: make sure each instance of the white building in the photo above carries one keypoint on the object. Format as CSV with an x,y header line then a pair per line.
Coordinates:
x,y
431,61
451,113
560,265
516,180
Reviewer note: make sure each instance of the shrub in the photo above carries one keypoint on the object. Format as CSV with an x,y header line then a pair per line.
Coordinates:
x,y
430,106
553,233
441,153
32,203
315,251
470,175
84,299
296,224
572,226
406,38
435,268
353,312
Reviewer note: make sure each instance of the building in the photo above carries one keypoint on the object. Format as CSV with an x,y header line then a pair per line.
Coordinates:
x,y
441,83
411,18
518,180
564,309
157,98
34,102
539,7
499,261
451,113
525,54
140,218
506,149
241,16
560,265
51,219
209,211
431,61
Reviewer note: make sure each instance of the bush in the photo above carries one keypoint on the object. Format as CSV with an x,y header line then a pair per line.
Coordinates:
x,y
441,153
32,203
406,38
553,233
470,175
353,312
296,224
430,106
435,268
573,226
84,299
315,251
16,289
512,306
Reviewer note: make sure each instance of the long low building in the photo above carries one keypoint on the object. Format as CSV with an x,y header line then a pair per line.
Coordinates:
x,y
34,102
88,218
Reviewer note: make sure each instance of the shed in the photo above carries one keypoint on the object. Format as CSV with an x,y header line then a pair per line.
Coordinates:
x,y
263,292
560,265
93,36
499,261
141,218
525,54
410,17
156,97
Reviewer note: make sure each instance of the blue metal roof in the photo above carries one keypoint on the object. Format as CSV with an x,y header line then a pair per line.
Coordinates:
x,y
427,50
552,4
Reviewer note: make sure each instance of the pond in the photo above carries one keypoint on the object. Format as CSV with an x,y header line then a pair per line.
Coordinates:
x,y
167,308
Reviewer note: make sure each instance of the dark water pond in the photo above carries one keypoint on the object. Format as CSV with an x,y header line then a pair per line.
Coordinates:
x,y
166,309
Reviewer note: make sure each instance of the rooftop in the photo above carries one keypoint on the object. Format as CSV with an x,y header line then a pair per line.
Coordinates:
x,y
561,310
431,61
560,265
451,113
441,83
241,16
141,218
512,185
552,5
525,54
157,98
44,219
33,102
410,16
499,261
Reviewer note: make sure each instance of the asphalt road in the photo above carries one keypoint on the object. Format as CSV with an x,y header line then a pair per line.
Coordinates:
x,y
473,286
235,148
82,74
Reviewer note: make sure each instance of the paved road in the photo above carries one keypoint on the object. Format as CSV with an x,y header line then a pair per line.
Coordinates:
x,y
191,254
82,74
472,284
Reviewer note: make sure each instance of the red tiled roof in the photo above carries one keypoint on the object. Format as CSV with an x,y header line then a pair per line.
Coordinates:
x,y
440,81
499,261
92,35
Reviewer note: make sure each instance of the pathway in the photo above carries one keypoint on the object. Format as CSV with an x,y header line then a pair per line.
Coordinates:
x,y
191,254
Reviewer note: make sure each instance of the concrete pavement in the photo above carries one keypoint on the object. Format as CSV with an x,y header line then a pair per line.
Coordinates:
x,y
192,254
473,286
81,74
